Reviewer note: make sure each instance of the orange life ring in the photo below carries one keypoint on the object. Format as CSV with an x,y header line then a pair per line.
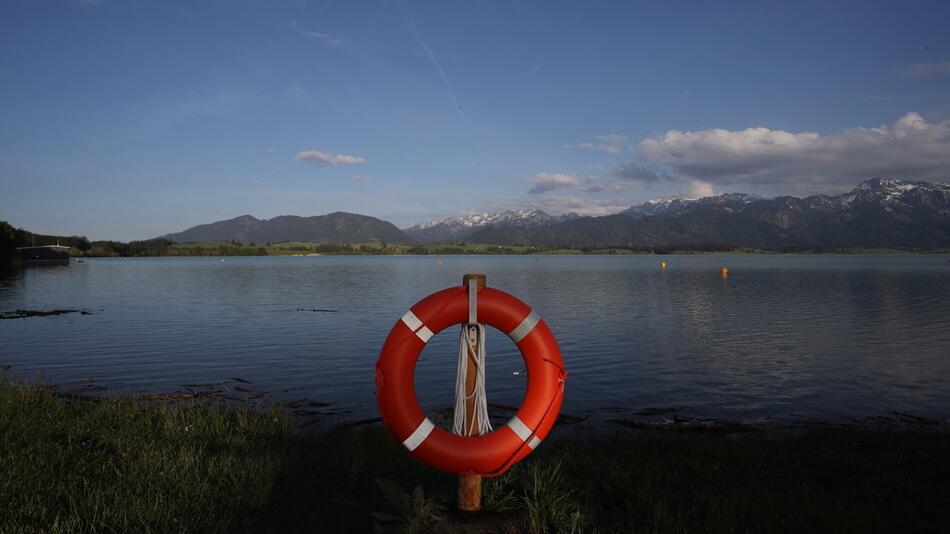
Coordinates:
x,y
490,454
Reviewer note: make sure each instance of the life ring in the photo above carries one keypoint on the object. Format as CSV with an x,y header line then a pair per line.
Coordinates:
x,y
490,454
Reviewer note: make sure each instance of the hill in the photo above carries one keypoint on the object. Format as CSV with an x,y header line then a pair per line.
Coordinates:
x,y
334,228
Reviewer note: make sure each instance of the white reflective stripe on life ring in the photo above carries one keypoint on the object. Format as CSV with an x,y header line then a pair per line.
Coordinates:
x,y
411,321
424,334
518,427
527,325
416,325
418,435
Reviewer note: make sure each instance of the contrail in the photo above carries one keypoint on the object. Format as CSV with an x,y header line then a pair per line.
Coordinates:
x,y
325,37
425,48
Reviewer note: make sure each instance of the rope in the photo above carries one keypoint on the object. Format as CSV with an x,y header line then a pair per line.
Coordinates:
x,y
511,459
472,339
471,342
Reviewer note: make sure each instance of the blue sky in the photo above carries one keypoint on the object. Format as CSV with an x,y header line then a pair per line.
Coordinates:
x,y
126,119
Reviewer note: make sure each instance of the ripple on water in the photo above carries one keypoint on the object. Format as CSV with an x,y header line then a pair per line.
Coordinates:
x,y
824,336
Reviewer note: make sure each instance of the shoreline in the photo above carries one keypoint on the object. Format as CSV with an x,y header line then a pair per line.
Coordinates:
x,y
324,415
503,250
186,465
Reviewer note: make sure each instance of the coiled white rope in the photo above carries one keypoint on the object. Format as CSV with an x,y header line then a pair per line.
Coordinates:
x,y
471,341
472,338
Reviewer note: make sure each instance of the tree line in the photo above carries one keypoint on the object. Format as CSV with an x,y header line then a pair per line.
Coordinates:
x,y
11,238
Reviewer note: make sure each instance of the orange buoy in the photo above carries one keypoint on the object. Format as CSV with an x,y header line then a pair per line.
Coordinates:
x,y
724,272
490,454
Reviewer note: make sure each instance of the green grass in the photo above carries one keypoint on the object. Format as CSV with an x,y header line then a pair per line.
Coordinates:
x,y
122,466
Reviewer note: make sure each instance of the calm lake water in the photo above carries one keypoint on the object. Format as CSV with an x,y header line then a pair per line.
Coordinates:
x,y
782,338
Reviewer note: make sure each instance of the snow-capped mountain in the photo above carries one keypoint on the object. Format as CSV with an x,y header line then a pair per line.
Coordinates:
x,y
891,191
446,228
882,212
891,195
674,205
658,205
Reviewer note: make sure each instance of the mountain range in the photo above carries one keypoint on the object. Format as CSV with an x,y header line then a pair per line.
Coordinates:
x,y
881,212
877,213
335,228
453,228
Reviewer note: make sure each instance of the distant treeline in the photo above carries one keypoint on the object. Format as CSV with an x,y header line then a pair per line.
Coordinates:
x,y
82,246
688,249
166,247
217,249
7,243
11,238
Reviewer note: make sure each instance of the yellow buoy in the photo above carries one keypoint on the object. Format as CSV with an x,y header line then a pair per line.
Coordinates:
x,y
663,264
724,272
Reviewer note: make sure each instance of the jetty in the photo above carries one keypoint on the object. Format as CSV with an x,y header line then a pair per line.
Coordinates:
x,y
44,255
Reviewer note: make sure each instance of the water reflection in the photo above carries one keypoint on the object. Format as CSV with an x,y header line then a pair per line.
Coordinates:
x,y
782,336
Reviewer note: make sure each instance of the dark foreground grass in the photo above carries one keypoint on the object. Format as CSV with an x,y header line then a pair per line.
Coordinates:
x,y
122,466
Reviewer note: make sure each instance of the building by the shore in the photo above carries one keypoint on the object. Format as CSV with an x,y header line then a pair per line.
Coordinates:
x,y
49,254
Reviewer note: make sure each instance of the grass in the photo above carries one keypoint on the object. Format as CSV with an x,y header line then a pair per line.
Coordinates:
x,y
116,465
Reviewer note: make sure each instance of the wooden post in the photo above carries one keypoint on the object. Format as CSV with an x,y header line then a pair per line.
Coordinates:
x,y
470,486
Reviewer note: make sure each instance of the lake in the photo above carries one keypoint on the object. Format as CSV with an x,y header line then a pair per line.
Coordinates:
x,y
782,338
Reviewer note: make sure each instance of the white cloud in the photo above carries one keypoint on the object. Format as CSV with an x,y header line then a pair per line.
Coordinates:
x,y
324,158
359,178
780,161
325,37
546,181
699,189
566,204
613,139
610,143
925,70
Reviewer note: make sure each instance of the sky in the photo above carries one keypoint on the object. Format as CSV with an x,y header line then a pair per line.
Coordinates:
x,y
126,119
